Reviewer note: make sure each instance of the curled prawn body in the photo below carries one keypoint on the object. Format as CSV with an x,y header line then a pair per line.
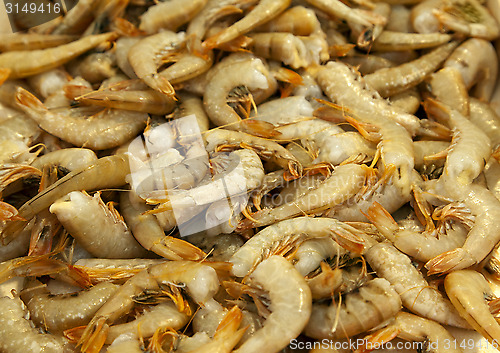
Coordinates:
x,y
468,17
421,246
150,235
481,239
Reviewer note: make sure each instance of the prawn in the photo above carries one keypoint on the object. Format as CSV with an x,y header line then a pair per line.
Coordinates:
x,y
290,302
23,64
372,304
426,245
297,20
17,334
107,235
416,329
467,17
78,308
105,129
292,50
213,10
68,159
248,72
200,280
264,11
116,168
390,81
389,41
145,101
395,144
221,140
162,315
416,294
473,298
150,235
340,186
285,235
170,15
32,41
478,73
481,239
447,86
338,9
150,53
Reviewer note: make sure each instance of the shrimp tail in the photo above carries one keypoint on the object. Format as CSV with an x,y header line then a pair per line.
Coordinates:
x,y
28,101
378,338
94,335
448,261
4,74
173,247
382,219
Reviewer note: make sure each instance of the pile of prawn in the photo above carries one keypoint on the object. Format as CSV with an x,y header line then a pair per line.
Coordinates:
x,y
250,176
